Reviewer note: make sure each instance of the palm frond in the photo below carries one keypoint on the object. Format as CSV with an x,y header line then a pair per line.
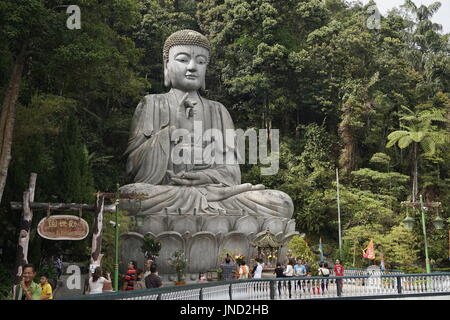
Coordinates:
x,y
417,136
410,5
404,141
393,137
432,8
432,115
428,145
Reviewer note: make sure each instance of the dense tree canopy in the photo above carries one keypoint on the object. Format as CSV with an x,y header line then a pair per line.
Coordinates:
x,y
343,95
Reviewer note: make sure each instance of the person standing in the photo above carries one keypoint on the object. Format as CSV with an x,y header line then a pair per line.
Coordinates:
x,y
140,280
58,265
202,277
243,271
299,271
130,276
46,288
153,280
257,274
297,268
228,269
27,289
289,273
307,268
324,272
97,281
147,265
279,272
339,271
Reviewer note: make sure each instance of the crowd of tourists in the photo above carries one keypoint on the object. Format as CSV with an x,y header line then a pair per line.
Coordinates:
x,y
134,278
148,278
230,269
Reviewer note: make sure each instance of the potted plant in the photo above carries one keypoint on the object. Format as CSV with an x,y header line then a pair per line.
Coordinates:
x,y
150,247
219,274
179,262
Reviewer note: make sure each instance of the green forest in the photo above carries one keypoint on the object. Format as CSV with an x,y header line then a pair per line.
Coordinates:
x,y
370,100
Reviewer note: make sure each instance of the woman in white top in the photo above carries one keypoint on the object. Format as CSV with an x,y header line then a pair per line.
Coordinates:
x,y
324,272
289,272
96,281
259,269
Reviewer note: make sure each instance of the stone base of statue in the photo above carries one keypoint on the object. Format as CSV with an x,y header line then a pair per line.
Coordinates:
x,y
203,238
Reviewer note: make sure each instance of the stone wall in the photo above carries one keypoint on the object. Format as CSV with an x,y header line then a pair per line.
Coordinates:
x,y
202,238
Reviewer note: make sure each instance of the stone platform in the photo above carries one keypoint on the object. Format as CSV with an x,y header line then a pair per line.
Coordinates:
x,y
203,238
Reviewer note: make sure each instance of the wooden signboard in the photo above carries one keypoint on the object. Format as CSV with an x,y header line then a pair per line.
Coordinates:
x,y
63,227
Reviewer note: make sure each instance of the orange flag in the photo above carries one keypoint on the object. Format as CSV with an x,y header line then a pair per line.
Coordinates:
x,y
369,252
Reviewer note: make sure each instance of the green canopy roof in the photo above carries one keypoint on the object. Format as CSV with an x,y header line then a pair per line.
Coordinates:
x,y
268,240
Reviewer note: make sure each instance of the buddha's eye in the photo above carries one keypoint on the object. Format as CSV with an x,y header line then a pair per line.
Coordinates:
x,y
201,60
182,58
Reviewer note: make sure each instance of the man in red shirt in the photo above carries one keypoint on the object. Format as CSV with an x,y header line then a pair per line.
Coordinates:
x,y
339,271
130,276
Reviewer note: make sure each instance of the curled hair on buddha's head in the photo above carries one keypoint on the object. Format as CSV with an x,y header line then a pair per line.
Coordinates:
x,y
183,38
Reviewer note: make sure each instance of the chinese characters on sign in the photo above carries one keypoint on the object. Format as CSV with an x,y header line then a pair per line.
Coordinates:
x,y
63,227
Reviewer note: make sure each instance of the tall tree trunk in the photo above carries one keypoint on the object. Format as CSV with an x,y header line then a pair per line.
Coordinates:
x,y
415,188
347,157
25,225
8,116
96,255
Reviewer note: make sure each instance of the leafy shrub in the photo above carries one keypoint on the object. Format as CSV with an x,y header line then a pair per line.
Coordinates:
x,y
151,247
412,269
179,262
6,283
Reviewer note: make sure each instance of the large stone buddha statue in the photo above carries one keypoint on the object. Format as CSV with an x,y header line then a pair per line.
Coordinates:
x,y
162,133
182,159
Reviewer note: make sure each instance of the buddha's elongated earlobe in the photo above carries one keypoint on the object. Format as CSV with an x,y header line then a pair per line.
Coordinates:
x,y
203,84
167,81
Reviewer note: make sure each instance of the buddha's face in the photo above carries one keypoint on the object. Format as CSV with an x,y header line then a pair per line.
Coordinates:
x,y
186,67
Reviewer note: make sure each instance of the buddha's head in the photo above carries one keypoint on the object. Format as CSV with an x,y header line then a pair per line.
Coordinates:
x,y
186,55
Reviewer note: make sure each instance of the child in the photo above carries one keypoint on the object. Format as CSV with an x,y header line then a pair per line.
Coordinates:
x,y
47,292
202,277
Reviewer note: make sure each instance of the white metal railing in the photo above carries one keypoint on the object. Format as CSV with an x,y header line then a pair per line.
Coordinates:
x,y
367,272
375,285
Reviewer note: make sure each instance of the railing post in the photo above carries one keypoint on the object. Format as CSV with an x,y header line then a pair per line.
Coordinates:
x,y
399,285
230,291
201,294
339,287
272,290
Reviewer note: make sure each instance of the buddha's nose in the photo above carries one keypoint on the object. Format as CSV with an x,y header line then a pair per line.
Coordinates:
x,y
192,66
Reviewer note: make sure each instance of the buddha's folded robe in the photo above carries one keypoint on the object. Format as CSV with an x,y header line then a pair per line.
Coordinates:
x,y
150,146
167,198
150,159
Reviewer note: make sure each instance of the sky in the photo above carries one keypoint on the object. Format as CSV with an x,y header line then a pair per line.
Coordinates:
x,y
442,16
